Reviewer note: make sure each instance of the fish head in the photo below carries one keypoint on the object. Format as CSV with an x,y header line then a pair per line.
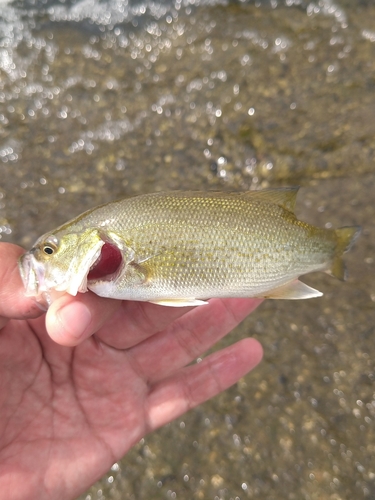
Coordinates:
x,y
59,263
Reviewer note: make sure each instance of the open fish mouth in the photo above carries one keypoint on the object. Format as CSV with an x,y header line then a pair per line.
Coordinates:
x,y
34,280
33,277
32,274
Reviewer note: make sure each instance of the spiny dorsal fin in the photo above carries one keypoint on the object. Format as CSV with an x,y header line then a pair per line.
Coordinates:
x,y
285,197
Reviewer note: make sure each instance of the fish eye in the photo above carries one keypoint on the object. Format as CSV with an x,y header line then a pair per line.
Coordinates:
x,y
50,245
47,249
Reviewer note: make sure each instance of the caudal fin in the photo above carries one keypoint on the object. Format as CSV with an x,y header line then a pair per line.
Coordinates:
x,y
346,237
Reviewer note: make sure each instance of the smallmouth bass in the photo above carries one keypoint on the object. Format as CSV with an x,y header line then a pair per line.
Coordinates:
x,y
181,248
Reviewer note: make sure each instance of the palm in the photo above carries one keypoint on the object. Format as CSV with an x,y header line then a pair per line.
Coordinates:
x,y
68,413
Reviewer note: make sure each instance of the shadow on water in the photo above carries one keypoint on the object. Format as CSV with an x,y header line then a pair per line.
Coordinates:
x,y
100,100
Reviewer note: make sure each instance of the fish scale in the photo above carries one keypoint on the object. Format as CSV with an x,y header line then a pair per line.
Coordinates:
x,y
181,247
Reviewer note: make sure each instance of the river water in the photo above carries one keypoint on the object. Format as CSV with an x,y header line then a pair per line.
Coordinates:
x,y
100,100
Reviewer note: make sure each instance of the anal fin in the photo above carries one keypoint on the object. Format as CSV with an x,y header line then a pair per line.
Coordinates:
x,y
293,290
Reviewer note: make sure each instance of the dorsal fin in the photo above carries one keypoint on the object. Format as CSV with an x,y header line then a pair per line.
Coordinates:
x,y
285,196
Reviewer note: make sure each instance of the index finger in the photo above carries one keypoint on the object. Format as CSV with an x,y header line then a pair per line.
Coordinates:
x,y
13,302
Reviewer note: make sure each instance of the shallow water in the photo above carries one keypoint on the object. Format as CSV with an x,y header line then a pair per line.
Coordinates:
x,y
104,100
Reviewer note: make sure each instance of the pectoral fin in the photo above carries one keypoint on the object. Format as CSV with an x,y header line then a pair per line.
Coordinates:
x,y
179,302
293,290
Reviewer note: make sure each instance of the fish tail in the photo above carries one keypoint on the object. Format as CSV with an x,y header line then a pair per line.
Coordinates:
x,y
346,237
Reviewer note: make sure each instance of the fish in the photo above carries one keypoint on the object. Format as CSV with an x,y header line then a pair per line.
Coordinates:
x,y
182,248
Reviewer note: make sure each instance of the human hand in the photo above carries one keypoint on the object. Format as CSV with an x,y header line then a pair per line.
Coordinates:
x,y
80,386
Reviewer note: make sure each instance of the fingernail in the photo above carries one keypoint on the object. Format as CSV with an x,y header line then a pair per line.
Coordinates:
x,y
75,319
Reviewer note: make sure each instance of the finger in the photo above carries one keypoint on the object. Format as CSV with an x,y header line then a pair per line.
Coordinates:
x,y
195,384
3,321
188,337
136,321
13,302
71,320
